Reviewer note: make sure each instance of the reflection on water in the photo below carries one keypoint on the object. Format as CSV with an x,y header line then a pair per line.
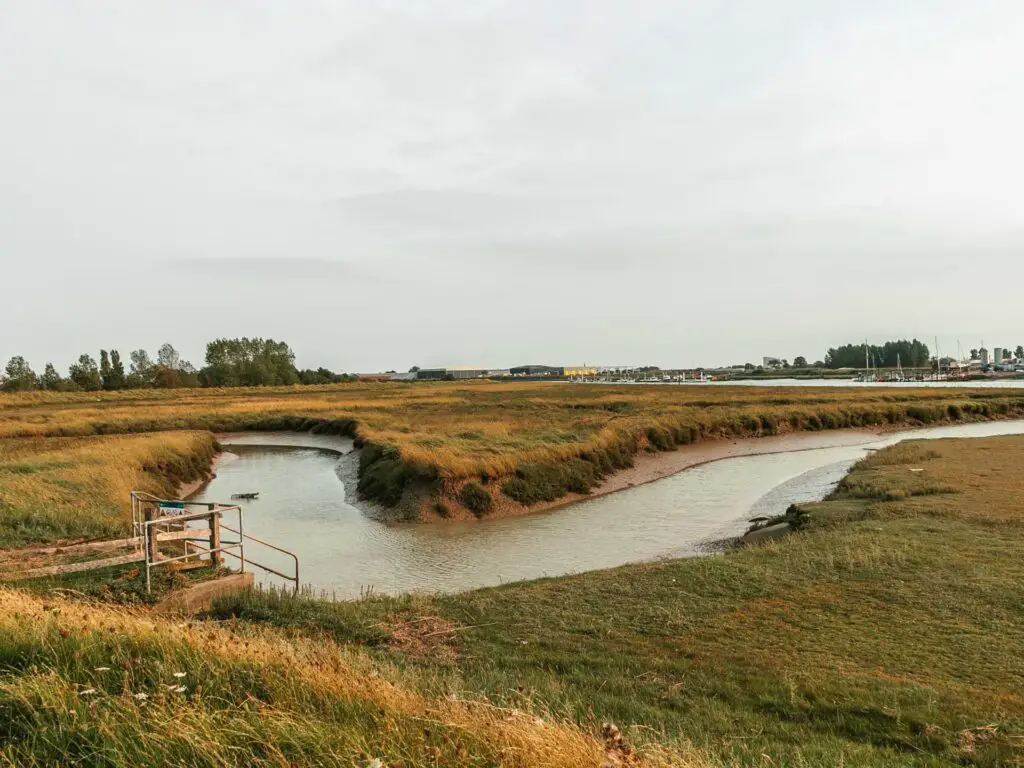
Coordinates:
x,y
306,505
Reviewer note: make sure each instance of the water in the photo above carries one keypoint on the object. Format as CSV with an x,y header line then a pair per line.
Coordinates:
x,y
307,505
984,384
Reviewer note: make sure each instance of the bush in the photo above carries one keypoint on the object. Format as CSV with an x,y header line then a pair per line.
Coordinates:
x,y
476,499
537,482
382,474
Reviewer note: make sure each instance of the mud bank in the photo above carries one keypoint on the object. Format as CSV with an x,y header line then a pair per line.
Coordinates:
x,y
185,490
651,466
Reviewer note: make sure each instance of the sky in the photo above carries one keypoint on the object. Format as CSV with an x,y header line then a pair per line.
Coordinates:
x,y
391,184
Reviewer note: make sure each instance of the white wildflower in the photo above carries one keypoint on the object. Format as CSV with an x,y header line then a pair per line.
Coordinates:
x,y
179,675
87,692
102,669
141,696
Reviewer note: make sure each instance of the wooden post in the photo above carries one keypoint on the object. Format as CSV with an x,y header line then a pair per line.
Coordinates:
x,y
215,557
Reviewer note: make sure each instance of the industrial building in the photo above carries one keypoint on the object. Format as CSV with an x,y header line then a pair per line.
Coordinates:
x,y
456,372
553,370
535,370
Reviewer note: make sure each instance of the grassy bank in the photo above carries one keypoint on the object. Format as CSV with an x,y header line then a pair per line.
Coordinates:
x,y
88,685
54,489
888,631
515,444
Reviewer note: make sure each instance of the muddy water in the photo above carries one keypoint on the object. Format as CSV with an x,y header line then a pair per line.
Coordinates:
x,y
307,505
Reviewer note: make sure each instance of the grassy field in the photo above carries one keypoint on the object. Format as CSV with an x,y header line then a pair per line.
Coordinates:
x,y
89,685
889,631
53,489
520,443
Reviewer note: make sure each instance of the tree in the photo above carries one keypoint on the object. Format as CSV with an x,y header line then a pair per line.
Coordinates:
x,y
86,374
414,369
1020,352
321,376
249,362
51,380
142,370
800,362
19,375
104,368
910,354
975,354
116,379
168,357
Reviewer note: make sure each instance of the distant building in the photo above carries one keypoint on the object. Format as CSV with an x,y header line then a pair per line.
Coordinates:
x,y
535,370
456,372
997,356
983,356
579,370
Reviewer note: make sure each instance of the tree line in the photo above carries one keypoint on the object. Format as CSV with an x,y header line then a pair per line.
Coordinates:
x,y
910,354
240,362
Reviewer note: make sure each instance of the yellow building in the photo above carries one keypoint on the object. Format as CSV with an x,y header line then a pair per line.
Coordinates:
x,y
574,371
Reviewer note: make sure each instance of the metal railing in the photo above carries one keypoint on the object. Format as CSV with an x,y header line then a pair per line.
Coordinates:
x,y
149,516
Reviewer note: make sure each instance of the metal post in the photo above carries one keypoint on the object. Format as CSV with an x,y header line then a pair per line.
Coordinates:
x,y
215,555
241,539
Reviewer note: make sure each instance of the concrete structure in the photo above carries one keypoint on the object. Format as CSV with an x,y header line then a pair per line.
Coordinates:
x,y
997,356
983,356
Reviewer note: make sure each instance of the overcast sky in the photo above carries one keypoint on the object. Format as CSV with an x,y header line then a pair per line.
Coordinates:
x,y
496,183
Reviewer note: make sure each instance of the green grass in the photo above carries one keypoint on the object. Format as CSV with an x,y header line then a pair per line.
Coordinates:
x,y
890,631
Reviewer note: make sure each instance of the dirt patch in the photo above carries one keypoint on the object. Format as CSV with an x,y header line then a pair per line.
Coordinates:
x,y
423,636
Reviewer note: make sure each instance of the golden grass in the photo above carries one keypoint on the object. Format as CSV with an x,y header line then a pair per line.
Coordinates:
x,y
72,487
462,430
347,707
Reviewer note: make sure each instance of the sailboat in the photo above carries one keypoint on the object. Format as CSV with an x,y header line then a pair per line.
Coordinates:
x,y
866,376
897,375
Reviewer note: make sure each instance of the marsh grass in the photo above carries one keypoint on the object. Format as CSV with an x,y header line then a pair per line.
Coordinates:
x,y
86,684
53,489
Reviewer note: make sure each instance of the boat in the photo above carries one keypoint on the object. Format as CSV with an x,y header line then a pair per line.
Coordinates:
x,y
253,495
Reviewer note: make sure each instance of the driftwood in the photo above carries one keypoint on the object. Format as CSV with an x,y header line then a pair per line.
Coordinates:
x,y
254,495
